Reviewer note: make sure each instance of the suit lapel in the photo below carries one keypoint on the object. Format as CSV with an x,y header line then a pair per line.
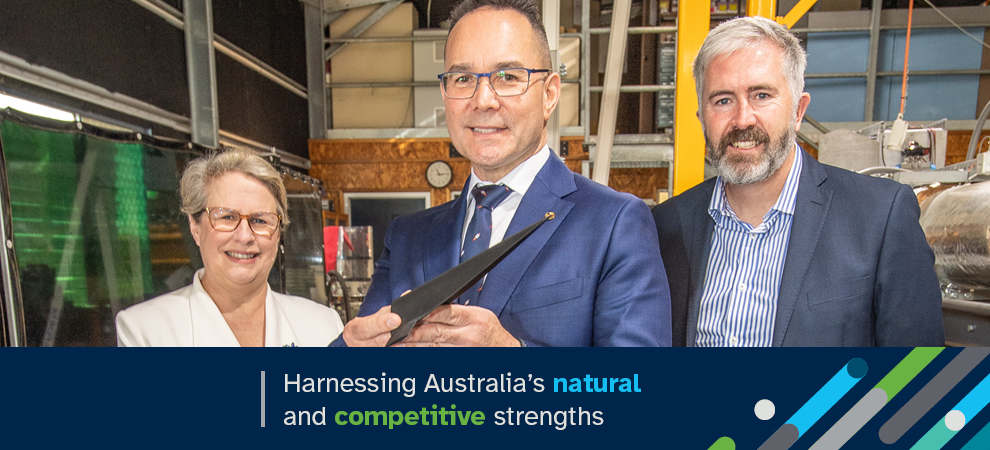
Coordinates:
x,y
553,182
209,328
700,227
443,249
810,212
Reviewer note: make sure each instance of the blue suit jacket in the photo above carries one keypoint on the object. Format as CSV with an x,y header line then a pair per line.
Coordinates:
x,y
858,270
593,276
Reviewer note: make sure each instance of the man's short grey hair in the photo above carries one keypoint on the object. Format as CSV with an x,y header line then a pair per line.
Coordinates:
x,y
744,32
202,172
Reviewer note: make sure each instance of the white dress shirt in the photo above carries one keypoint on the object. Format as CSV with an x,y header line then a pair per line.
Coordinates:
x,y
518,180
742,282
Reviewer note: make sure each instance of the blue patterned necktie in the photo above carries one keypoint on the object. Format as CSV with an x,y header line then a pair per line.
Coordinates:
x,y
479,231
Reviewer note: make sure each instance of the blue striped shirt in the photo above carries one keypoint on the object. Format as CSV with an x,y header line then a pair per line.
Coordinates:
x,y
739,302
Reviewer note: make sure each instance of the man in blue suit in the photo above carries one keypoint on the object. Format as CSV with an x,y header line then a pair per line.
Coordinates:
x,y
780,250
592,276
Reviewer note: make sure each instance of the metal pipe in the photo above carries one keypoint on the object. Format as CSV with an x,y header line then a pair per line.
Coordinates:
x,y
584,102
53,80
974,139
892,73
13,307
818,126
933,25
201,72
882,28
361,40
636,30
385,84
233,140
637,88
551,24
362,26
316,82
836,75
923,73
871,61
19,69
827,30
610,96
880,169
175,18
807,140
224,46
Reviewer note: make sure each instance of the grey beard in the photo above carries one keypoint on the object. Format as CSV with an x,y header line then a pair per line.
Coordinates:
x,y
741,172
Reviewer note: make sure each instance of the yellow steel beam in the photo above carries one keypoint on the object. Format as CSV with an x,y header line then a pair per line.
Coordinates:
x,y
762,8
799,10
693,23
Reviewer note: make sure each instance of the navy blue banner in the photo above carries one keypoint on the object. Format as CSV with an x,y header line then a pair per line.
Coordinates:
x,y
484,398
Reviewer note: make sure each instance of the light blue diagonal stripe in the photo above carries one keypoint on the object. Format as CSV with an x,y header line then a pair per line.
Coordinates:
x,y
828,395
976,400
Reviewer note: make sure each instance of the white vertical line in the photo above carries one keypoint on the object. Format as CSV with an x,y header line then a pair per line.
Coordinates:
x,y
262,399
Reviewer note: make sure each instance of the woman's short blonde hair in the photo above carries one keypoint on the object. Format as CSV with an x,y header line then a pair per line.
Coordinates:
x,y
202,171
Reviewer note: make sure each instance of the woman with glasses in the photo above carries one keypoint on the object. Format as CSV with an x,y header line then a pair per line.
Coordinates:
x,y
236,204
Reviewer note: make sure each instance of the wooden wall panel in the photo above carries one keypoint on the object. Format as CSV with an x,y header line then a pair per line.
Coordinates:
x,y
336,151
957,142
642,183
399,165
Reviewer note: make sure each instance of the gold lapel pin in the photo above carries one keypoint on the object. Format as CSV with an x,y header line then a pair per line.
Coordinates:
x,y
550,215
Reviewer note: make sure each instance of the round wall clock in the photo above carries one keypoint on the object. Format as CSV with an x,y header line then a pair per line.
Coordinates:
x,y
439,174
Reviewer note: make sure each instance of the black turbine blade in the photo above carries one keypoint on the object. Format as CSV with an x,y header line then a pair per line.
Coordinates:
x,y
451,284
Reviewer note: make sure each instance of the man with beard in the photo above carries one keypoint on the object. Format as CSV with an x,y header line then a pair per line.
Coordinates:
x,y
779,249
592,276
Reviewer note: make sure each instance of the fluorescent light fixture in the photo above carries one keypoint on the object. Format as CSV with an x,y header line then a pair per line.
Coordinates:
x,y
35,108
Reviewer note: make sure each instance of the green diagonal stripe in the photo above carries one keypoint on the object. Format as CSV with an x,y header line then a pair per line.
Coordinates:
x,y
907,369
723,443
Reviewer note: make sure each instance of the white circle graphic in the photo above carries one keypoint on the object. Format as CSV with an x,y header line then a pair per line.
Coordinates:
x,y
765,409
955,420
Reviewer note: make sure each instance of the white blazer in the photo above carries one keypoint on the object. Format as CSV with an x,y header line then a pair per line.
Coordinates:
x,y
187,317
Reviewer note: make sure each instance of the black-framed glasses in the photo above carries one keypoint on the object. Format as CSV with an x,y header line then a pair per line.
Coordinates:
x,y
505,82
226,219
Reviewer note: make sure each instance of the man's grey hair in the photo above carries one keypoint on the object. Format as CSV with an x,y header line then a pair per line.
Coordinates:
x,y
202,172
744,32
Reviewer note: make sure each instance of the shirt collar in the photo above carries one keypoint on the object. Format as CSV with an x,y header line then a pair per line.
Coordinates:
x,y
520,178
785,203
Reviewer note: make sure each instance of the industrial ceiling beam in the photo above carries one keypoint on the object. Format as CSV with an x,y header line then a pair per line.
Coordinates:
x,y
202,73
795,14
330,6
362,26
551,21
316,84
610,95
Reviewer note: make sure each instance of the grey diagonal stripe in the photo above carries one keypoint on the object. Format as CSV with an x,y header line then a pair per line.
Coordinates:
x,y
783,438
929,395
852,421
